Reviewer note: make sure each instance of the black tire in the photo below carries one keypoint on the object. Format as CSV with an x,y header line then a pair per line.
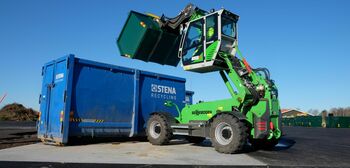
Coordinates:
x,y
158,129
195,140
263,144
228,134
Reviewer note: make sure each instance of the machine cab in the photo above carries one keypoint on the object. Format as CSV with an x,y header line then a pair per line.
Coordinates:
x,y
204,38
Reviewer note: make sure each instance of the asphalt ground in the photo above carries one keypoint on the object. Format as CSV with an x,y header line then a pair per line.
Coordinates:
x,y
300,147
326,147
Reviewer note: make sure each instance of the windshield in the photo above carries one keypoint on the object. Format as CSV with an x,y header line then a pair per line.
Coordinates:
x,y
193,43
194,35
228,27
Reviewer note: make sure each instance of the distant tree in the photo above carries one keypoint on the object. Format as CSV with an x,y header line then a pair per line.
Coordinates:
x,y
340,111
347,111
323,113
314,112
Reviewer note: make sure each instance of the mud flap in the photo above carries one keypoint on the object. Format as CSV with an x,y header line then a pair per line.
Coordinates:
x,y
262,123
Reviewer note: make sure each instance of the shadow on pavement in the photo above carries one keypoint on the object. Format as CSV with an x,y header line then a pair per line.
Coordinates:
x,y
117,140
283,144
77,141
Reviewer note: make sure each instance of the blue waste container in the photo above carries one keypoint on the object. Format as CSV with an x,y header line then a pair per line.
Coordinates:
x,y
86,98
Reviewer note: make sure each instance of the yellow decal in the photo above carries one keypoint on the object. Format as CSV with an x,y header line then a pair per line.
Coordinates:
x,y
209,115
75,120
61,116
85,120
99,121
220,108
153,15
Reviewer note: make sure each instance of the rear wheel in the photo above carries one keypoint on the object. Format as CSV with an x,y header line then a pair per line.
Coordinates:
x,y
228,134
195,140
158,129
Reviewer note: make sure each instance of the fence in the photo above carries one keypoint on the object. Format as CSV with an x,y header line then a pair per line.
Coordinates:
x,y
317,121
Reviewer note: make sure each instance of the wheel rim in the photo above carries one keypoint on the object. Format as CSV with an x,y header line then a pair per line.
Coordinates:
x,y
155,129
223,133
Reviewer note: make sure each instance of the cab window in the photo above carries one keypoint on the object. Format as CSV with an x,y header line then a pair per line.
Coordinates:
x,y
193,43
228,27
211,27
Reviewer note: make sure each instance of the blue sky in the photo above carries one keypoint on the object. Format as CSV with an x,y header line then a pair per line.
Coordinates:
x,y
304,44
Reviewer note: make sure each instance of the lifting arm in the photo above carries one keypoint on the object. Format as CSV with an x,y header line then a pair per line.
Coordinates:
x,y
243,92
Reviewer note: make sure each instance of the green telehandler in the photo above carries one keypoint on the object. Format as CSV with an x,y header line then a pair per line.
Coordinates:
x,y
206,42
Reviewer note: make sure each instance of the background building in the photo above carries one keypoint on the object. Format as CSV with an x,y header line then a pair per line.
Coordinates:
x,y
290,113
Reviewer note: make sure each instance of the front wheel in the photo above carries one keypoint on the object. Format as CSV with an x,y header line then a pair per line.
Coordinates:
x,y
158,129
228,134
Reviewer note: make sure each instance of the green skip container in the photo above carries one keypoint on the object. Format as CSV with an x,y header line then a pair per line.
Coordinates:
x,y
142,38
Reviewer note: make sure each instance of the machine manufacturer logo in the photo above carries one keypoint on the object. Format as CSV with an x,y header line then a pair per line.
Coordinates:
x,y
201,112
163,92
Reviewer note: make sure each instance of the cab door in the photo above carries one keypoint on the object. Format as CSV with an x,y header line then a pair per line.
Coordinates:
x,y
193,43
